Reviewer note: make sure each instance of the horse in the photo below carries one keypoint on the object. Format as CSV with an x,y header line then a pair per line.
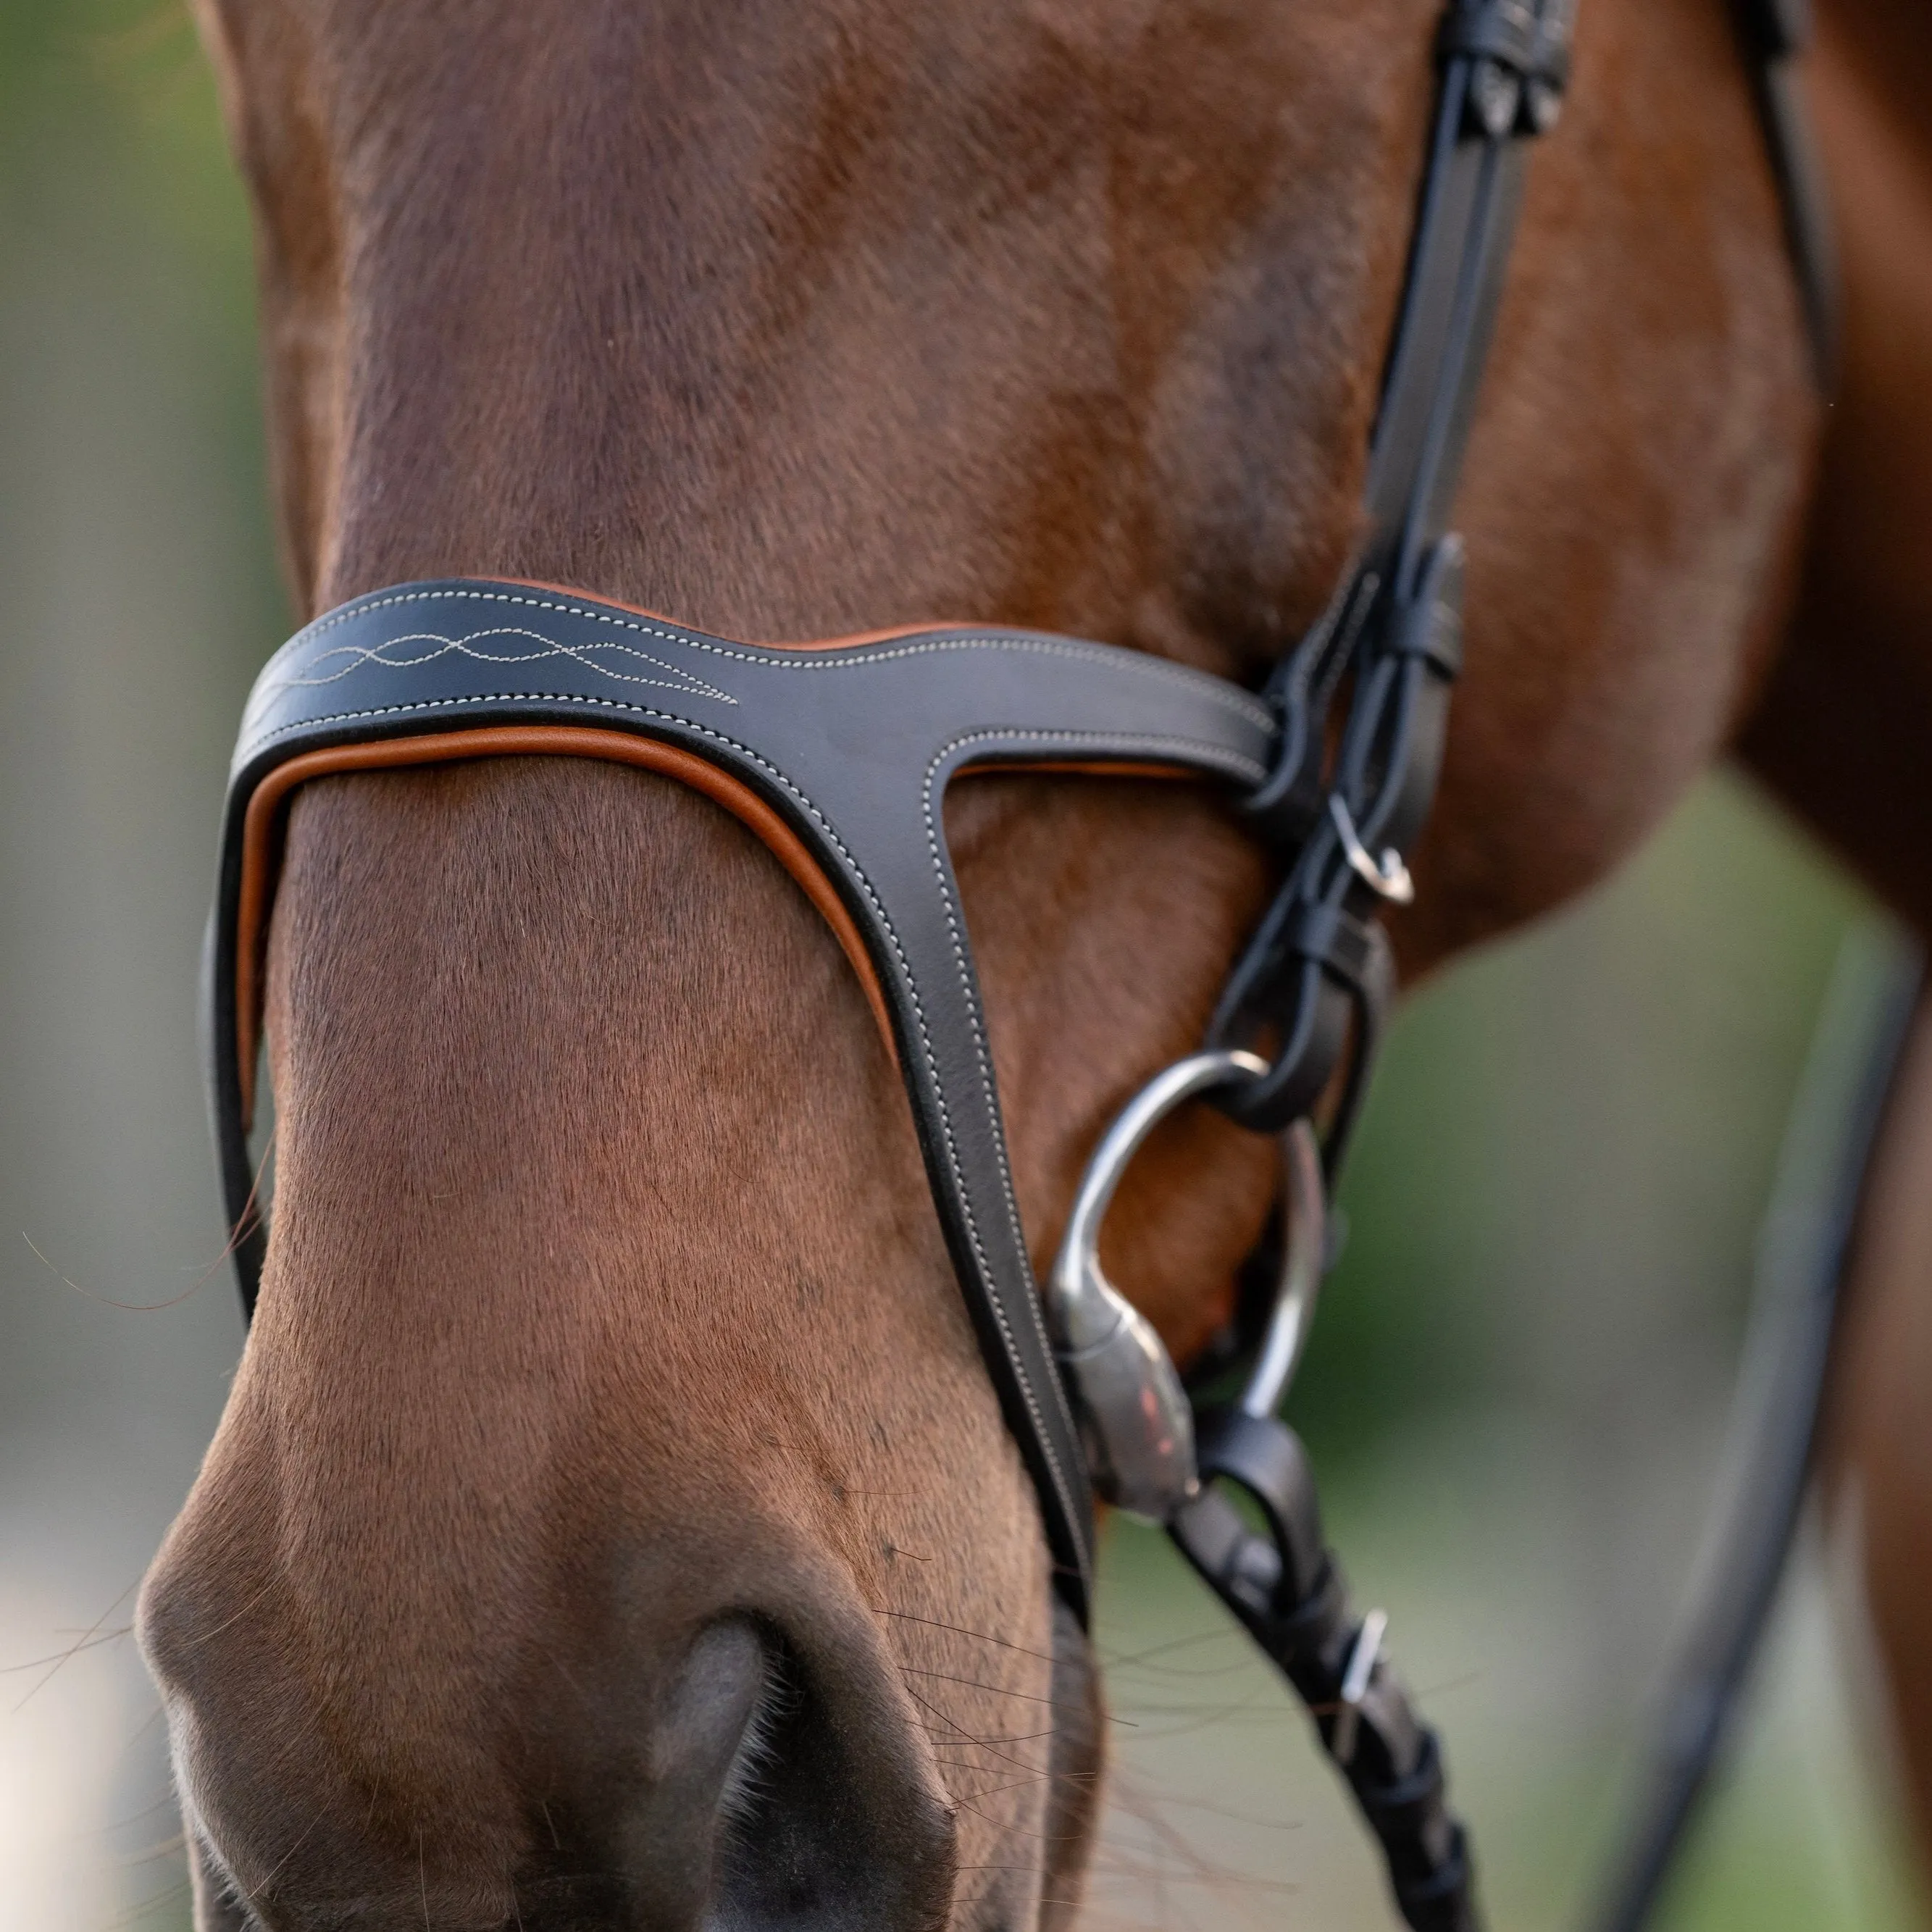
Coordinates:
x,y
612,1522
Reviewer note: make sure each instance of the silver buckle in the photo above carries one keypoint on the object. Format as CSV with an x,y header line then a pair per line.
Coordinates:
x,y
1388,877
1355,1680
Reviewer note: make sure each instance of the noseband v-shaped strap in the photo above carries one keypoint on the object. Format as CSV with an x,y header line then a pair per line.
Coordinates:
x,y
849,749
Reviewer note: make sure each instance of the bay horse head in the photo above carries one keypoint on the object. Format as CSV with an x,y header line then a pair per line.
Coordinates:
x,y
612,1523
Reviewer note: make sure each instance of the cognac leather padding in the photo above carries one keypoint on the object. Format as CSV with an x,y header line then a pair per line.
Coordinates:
x,y
264,820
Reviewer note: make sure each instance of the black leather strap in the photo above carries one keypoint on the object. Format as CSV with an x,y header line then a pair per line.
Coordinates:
x,y
1311,989
853,748
1392,632
1805,1254
1286,1587
1391,635
1776,33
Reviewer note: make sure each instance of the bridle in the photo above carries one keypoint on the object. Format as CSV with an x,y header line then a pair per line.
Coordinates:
x,y
837,754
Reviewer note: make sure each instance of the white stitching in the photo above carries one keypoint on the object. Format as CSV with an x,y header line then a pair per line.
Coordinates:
x,y
1214,689
359,654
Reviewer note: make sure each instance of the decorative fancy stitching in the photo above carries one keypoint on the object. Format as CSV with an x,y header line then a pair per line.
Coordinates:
x,y
1214,688
357,656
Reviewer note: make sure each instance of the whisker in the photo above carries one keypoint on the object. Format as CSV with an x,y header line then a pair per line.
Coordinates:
x,y
1428,1693
1212,1633
146,1725
963,1738
161,1849
979,1684
145,1811
1213,1809
142,1908
202,1636
961,1734
1034,1778
84,1642
58,1658
1005,1824
1175,1673
980,1898
1264,1720
960,1629
108,1300
275,1870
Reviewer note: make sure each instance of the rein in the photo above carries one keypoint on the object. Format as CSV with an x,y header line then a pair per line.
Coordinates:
x,y
837,756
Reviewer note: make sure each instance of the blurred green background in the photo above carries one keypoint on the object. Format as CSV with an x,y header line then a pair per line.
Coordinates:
x,y
1518,1381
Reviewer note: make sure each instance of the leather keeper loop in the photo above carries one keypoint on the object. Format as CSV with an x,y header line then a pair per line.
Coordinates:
x,y
1302,1071
1284,808
1334,939
1428,625
1265,1458
1511,33
1504,30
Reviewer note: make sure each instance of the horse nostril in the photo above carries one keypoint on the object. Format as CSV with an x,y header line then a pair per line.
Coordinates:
x,y
709,1714
765,1774
819,1828
777,1796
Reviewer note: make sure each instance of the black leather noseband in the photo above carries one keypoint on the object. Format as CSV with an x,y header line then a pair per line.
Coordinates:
x,y
852,748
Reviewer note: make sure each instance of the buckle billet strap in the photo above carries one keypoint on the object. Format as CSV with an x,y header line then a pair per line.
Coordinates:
x,y
1315,979
1286,1589
849,749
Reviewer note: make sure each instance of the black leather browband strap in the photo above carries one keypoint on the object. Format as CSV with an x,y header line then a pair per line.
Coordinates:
x,y
853,746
